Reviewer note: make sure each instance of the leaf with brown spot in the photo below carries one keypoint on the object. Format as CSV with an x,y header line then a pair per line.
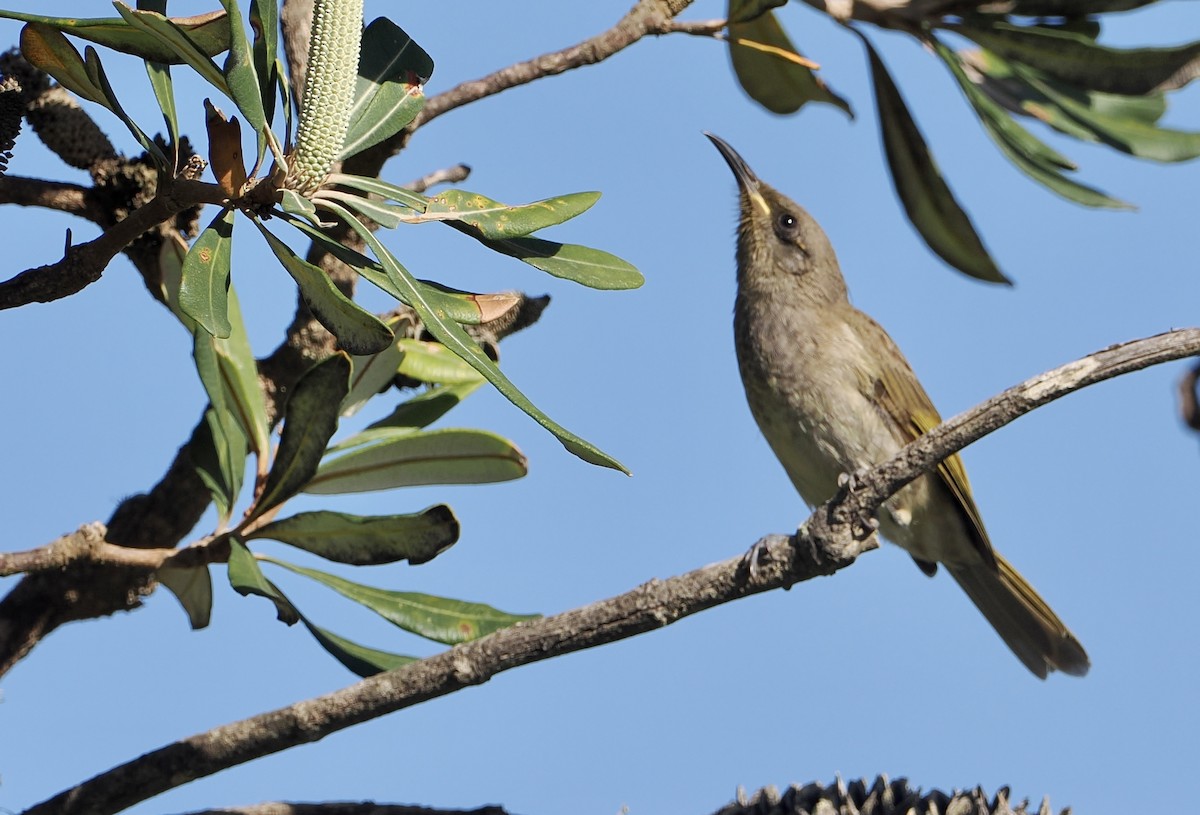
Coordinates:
x,y
440,619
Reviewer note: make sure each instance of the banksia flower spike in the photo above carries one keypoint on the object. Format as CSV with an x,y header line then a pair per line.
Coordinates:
x,y
328,92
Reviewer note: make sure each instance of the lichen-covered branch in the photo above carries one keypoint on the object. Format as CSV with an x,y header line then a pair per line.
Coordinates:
x,y
829,540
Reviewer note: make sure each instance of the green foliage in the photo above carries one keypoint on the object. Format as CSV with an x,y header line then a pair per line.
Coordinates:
x,y
930,204
436,618
358,331
310,420
769,77
390,457
193,588
384,95
452,335
1054,72
210,32
392,71
360,659
368,541
204,290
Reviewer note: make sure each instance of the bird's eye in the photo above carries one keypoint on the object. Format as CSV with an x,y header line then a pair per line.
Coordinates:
x,y
786,225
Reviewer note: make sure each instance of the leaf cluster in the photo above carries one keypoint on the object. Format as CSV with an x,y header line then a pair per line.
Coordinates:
x,y
197,285
1035,60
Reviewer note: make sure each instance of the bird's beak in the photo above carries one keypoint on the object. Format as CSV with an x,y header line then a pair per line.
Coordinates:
x,y
746,179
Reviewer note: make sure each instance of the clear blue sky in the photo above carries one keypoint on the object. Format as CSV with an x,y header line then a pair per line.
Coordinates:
x,y
877,669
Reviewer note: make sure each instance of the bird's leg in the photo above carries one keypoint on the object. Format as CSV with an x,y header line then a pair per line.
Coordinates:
x,y
848,483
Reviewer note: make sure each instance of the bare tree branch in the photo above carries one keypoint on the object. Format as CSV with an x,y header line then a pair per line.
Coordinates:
x,y
82,264
58,195
88,545
829,540
646,17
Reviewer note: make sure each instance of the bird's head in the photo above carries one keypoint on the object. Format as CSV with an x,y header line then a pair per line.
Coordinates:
x,y
779,244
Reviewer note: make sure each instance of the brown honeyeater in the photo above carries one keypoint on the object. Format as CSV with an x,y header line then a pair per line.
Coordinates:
x,y
833,395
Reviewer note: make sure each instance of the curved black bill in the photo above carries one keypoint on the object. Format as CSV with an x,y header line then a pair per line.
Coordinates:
x,y
746,178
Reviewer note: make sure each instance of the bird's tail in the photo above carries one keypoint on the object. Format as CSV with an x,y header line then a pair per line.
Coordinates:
x,y
1022,619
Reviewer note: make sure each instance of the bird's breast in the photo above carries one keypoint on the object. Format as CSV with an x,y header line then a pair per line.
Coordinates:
x,y
802,370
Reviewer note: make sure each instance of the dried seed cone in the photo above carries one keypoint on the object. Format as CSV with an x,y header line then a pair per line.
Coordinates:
x,y
328,92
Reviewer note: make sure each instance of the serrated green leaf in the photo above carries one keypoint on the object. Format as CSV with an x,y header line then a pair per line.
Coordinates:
x,y
247,578
402,457
1079,60
240,75
493,220
209,31
310,419
192,587
1026,152
437,618
931,206
46,48
177,41
204,290
392,71
589,267
778,84
368,541
435,363
453,336
360,659
426,408
358,331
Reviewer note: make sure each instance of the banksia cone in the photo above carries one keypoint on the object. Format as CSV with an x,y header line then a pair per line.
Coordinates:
x,y
328,92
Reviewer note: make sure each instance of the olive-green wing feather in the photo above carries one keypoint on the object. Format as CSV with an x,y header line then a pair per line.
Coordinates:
x,y
898,392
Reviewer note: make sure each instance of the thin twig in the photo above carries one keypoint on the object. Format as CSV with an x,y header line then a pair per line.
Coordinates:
x,y
646,17
698,28
446,175
830,540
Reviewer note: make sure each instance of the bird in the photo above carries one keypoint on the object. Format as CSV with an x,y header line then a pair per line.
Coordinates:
x,y
833,395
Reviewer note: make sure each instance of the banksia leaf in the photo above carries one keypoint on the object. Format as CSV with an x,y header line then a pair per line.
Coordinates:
x,y
328,92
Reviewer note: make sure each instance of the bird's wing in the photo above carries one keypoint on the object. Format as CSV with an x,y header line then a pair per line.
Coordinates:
x,y
897,385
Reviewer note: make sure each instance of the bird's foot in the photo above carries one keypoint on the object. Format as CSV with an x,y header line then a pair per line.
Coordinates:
x,y
848,483
865,528
759,553
851,481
